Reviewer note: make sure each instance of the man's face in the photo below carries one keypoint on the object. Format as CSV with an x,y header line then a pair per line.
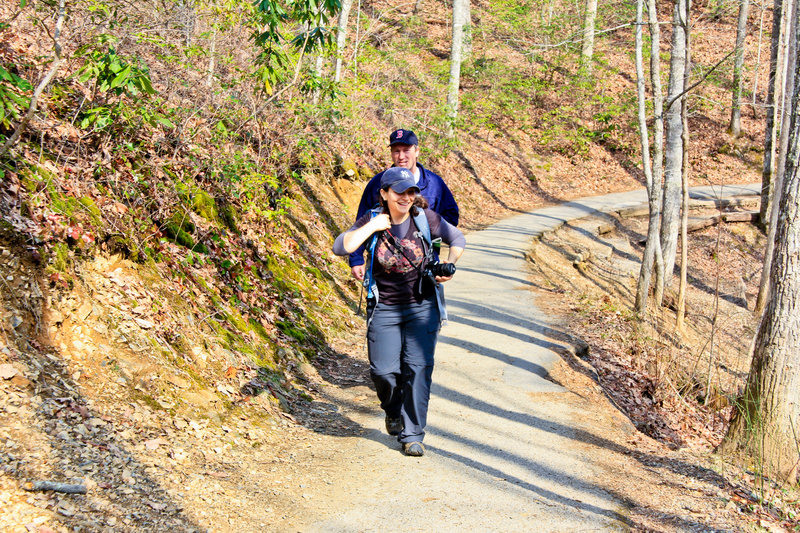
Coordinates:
x,y
405,155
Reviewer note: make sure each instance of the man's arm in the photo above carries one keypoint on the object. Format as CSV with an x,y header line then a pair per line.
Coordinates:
x,y
448,207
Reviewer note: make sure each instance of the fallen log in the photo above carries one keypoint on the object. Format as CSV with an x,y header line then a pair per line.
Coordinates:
x,y
696,224
67,488
742,216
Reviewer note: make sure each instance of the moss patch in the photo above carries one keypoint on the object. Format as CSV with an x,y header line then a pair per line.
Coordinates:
x,y
91,208
60,261
348,169
183,221
227,215
181,237
203,204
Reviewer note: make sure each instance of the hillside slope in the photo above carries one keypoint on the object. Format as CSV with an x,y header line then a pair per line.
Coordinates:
x,y
170,303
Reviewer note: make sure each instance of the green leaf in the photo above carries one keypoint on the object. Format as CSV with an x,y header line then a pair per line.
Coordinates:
x,y
85,75
145,84
15,80
121,78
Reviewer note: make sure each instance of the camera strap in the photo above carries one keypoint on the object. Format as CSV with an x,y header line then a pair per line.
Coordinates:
x,y
397,246
427,256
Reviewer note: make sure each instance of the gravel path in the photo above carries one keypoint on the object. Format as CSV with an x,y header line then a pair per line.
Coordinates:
x,y
508,448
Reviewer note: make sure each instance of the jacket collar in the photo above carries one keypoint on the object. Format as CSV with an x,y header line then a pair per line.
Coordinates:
x,y
423,178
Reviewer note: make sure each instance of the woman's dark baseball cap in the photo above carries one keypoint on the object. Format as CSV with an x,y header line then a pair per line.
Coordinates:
x,y
403,137
400,179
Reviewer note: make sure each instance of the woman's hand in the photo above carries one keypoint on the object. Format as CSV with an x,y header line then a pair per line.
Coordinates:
x,y
380,223
442,279
354,238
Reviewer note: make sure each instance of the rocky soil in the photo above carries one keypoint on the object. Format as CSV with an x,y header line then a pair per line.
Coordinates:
x,y
88,402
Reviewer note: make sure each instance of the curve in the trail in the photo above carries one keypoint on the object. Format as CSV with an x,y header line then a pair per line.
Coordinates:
x,y
507,450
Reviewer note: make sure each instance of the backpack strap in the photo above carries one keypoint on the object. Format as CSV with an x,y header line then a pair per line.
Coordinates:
x,y
369,279
423,227
425,231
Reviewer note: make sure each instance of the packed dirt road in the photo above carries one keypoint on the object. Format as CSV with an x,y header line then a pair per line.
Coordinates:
x,y
520,435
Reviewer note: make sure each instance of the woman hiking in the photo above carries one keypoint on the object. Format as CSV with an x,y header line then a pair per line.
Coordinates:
x,y
405,304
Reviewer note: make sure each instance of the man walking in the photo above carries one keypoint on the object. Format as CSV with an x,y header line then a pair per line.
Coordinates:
x,y
404,148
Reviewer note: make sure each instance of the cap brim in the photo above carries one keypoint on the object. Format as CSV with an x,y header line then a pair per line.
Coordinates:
x,y
402,186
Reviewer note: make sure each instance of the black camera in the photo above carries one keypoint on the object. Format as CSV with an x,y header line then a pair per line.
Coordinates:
x,y
427,281
444,270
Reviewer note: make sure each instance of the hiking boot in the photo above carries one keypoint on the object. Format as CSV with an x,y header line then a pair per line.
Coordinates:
x,y
393,425
413,449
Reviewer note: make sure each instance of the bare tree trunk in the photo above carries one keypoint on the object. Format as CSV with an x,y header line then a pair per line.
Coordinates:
x,y
341,37
641,94
670,222
466,46
767,420
681,312
212,58
763,287
789,74
587,50
758,58
455,64
319,64
735,126
652,249
773,95
187,19
358,40
417,7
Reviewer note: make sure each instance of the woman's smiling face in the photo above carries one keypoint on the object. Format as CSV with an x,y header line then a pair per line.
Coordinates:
x,y
399,203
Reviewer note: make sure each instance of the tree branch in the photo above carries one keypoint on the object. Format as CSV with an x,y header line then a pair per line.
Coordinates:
x,y
67,488
42,84
282,89
6,24
578,38
698,82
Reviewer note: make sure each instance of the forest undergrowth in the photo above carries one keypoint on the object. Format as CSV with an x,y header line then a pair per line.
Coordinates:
x,y
678,387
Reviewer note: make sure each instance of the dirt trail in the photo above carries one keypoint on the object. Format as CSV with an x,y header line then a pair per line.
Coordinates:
x,y
510,448
520,437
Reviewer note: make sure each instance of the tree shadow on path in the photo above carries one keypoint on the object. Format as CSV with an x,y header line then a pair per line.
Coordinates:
x,y
536,469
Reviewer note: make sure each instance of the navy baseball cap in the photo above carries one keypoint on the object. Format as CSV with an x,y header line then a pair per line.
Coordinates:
x,y
400,179
403,137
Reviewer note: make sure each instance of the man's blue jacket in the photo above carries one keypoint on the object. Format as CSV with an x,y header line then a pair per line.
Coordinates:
x,y
431,186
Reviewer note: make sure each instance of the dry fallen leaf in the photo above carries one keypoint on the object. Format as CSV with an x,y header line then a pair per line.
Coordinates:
x,y
144,324
153,444
7,371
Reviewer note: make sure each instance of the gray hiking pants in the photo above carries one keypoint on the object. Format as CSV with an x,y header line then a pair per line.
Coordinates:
x,y
401,340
